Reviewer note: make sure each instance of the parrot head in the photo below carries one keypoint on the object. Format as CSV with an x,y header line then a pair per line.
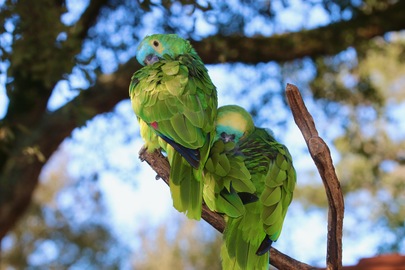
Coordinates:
x,y
152,48
233,123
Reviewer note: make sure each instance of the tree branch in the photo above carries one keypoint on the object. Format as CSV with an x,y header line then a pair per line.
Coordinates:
x,y
327,40
320,153
161,166
31,127
21,169
88,19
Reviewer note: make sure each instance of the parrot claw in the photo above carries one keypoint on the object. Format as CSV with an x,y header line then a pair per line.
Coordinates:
x,y
142,152
158,177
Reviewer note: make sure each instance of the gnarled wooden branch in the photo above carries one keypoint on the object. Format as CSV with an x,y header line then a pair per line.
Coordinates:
x,y
321,156
320,153
161,166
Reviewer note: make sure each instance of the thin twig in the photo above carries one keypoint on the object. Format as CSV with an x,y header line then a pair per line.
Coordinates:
x,y
320,153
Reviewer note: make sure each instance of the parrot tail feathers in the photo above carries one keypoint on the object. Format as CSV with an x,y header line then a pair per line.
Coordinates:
x,y
186,189
228,263
239,248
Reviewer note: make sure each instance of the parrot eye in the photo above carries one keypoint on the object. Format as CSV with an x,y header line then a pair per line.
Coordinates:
x,y
232,137
223,135
156,43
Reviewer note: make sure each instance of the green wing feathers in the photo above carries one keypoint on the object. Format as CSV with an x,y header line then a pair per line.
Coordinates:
x,y
221,201
256,165
274,176
277,193
225,176
175,98
183,107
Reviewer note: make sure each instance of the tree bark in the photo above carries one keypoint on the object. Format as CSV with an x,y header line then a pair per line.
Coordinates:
x,y
327,40
320,153
28,133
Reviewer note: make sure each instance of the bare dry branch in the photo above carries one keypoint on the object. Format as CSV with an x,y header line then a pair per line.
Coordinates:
x,y
320,153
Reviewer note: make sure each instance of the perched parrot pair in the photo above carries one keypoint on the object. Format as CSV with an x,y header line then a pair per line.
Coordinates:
x,y
217,154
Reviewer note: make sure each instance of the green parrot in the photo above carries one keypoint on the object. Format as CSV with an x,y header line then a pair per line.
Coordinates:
x,y
176,105
250,178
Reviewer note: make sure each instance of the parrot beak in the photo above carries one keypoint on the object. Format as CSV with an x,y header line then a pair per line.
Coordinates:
x,y
227,138
151,59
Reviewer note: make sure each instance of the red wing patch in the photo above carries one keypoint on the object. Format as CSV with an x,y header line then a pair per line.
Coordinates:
x,y
154,125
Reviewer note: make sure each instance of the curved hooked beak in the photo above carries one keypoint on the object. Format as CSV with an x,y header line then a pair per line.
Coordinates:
x,y
151,59
227,138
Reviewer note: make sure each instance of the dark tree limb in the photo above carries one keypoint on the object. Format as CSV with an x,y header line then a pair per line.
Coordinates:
x,y
320,153
21,170
28,126
305,43
88,19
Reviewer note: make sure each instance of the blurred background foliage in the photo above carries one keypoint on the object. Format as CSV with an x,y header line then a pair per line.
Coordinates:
x,y
66,120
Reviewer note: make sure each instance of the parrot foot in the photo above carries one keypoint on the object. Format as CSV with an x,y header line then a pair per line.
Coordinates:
x,y
158,177
142,152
